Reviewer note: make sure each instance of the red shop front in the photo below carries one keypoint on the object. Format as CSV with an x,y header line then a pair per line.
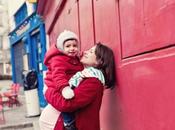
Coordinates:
x,y
141,33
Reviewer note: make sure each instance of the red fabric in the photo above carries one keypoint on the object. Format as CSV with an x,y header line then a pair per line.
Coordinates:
x,y
60,67
86,104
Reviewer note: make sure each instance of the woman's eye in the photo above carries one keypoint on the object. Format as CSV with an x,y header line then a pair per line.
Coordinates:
x,y
91,51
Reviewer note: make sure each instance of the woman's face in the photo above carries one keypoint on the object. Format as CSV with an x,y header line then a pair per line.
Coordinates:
x,y
89,58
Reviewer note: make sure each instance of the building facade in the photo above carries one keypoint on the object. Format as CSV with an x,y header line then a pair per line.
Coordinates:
x,y
28,44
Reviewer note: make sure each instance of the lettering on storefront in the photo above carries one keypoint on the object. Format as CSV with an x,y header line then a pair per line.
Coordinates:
x,y
22,29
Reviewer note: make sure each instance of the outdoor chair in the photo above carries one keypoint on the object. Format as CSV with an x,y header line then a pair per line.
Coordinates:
x,y
12,95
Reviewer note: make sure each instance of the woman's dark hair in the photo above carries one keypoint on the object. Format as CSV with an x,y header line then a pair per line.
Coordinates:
x,y
106,63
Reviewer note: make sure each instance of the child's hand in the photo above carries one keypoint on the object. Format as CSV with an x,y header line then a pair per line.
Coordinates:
x,y
67,93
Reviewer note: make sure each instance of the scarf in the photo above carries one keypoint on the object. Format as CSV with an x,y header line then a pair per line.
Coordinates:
x,y
92,72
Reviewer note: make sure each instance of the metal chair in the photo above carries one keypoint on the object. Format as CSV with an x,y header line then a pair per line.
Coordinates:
x,y
12,95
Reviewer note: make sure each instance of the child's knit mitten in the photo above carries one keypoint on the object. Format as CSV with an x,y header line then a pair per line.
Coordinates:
x,y
67,93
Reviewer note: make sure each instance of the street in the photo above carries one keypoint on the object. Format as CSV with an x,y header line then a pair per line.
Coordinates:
x,y
15,116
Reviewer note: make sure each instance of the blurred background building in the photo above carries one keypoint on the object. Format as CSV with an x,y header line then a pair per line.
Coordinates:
x,y
27,42
5,63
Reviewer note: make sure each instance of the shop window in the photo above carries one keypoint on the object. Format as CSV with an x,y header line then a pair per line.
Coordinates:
x,y
0,42
34,6
21,14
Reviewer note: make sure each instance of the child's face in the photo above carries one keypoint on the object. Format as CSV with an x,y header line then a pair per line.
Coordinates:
x,y
71,48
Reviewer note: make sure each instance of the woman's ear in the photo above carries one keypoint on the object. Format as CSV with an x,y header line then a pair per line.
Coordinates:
x,y
96,64
99,63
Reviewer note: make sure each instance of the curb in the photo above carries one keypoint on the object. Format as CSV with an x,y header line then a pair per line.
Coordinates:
x,y
17,126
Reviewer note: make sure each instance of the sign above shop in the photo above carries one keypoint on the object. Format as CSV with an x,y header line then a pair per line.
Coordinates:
x,y
32,1
30,24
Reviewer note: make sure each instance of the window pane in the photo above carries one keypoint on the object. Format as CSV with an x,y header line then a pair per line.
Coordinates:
x,y
21,14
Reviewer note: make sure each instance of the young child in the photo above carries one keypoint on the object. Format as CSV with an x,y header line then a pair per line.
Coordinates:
x,y
62,62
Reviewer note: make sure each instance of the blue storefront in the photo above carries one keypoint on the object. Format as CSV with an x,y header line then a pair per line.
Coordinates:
x,y
28,47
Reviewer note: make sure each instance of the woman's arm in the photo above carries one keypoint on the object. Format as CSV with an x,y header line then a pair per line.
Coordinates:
x,y
85,93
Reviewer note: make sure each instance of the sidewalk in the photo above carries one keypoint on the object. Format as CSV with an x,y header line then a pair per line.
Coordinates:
x,y
15,117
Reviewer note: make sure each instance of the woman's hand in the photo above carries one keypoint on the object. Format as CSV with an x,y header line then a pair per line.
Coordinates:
x,y
67,93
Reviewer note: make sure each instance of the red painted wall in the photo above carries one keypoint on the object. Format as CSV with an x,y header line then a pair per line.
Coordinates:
x,y
141,34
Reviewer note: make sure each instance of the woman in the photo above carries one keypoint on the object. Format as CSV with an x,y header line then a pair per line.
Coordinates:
x,y
88,95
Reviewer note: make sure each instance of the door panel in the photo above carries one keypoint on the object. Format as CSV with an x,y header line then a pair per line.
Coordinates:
x,y
86,24
37,64
106,23
132,27
18,62
145,25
